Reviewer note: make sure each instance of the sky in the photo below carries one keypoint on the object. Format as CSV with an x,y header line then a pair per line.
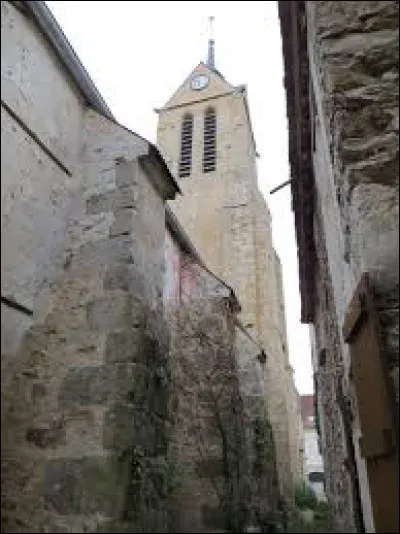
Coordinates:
x,y
138,53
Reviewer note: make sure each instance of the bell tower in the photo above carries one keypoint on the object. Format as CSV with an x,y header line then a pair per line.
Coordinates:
x,y
206,137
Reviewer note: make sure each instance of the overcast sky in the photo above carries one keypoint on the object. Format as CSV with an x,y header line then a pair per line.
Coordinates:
x,y
138,53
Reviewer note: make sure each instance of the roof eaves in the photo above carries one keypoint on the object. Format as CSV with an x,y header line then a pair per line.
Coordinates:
x,y
159,173
292,16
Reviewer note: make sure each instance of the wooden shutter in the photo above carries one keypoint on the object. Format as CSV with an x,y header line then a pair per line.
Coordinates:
x,y
369,374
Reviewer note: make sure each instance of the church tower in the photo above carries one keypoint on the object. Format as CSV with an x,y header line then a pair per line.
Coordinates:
x,y
206,137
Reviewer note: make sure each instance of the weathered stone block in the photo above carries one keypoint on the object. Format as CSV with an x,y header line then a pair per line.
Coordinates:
x,y
121,346
87,385
118,432
213,517
47,433
127,278
134,346
115,311
123,224
126,173
158,400
123,197
150,433
83,485
96,385
157,328
210,468
89,229
75,522
118,277
105,251
150,391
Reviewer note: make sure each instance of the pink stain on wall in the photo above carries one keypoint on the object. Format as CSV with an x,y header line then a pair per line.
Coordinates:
x,y
182,277
189,280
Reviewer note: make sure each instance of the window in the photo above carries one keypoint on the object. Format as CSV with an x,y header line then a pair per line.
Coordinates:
x,y
185,160
316,476
209,148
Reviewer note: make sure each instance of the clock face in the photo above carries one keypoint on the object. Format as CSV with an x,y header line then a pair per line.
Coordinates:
x,y
199,82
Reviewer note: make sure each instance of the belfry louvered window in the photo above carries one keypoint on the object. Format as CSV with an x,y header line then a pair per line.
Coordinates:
x,y
210,134
185,160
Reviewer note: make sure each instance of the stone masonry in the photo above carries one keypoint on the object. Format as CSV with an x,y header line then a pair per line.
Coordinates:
x,y
85,406
264,499
208,440
227,219
341,77
108,387
215,364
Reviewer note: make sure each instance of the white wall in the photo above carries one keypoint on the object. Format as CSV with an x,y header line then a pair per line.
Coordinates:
x,y
313,462
35,189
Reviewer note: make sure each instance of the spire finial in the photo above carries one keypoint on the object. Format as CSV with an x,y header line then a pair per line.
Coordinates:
x,y
210,57
211,19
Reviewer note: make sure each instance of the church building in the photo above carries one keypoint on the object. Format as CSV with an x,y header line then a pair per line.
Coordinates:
x,y
145,381
206,138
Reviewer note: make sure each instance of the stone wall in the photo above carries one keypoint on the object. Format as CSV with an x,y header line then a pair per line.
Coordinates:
x,y
86,393
341,76
228,221
85,378
353,52
208,445
85,402
354,67
210,350
36,185
264,489
335,438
